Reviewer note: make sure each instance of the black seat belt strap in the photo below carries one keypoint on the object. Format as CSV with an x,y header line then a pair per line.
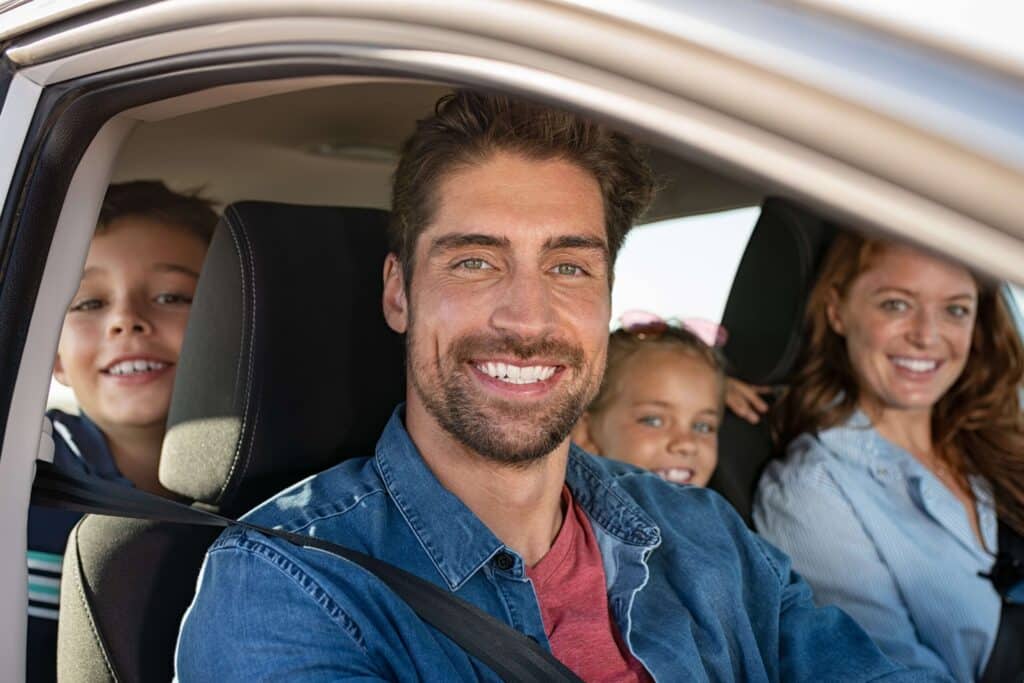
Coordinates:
x,y
509,653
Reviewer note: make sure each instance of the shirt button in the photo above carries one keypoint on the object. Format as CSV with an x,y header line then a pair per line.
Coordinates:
x,y
504,561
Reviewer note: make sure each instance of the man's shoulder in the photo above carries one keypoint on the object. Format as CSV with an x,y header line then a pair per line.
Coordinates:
x,y
349,486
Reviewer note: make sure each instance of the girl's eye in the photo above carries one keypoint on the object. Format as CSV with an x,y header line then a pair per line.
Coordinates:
x,y
895,305
86,305
473,264
652,421
958,311
169,298
705,427
568,269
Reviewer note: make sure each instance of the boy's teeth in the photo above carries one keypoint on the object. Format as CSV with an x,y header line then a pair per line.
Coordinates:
x,y
916,364
131,367
514,374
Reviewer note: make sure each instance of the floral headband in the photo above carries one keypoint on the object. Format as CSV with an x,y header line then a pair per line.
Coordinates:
x,y
644,324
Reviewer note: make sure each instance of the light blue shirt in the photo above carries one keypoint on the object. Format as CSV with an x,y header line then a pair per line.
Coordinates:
x,y
876,533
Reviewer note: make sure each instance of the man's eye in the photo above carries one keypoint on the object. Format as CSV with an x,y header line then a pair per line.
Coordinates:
x,y
651,421
86,305
473,264
171,298
569,269
895,305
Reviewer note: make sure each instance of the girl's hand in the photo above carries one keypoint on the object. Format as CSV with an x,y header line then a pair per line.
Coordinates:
x,y
745,399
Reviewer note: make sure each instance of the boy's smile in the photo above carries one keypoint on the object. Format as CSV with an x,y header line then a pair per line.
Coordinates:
x,y
123,331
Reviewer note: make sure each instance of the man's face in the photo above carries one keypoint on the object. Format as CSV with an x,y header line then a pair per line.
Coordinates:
x,y
123,332
507,312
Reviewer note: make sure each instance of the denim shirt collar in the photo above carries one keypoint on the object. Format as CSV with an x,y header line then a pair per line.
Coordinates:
x,y
455,539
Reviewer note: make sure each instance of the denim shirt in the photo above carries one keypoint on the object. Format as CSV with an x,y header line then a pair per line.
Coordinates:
x,y
876,533
695,595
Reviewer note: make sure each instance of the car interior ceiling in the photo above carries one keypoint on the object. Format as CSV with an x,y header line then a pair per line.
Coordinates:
x,y
256,378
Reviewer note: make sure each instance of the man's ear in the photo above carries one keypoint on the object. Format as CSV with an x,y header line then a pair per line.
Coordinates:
x,y
58,372
396,305
582,437
835,321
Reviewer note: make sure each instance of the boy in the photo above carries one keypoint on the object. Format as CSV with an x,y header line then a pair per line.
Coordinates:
x,y
118,349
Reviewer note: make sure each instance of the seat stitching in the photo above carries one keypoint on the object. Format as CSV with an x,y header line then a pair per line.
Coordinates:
x,y
80,585
246,280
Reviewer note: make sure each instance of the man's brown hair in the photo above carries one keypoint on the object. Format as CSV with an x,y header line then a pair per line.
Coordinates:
x,y
468,127
154,200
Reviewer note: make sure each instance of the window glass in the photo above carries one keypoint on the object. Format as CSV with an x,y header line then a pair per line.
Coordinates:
x,y
683,267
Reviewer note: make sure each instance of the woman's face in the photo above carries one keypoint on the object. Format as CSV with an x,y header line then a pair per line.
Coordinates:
x,y
907,321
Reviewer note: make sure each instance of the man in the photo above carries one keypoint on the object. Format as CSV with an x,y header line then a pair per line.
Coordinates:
x,y
507,218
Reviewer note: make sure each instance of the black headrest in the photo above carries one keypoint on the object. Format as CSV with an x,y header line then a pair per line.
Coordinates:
x,y
764,318
288,365
764,313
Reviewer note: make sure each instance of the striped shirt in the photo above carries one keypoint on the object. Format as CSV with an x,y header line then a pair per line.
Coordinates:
x,y
876,533
80,446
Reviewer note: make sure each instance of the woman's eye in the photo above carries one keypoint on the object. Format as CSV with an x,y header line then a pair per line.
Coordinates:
x,y
473,264
705,427
86,305
895,305
568,269
652,421
958,311
169,298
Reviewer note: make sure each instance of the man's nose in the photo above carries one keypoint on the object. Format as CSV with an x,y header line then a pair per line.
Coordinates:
x,y
127,318
525,307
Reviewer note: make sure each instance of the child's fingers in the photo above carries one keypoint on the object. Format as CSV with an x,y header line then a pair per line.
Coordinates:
x,y
744,401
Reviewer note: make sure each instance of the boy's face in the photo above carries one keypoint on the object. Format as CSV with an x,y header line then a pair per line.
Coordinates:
x,y
663,416
123,331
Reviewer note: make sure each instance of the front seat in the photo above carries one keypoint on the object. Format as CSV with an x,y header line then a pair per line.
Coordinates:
x,y
287,368
764,318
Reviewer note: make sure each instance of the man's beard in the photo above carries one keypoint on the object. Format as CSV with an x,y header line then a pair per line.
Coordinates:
x,y
502,431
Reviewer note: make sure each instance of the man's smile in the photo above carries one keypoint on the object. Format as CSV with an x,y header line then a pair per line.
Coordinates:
x,y
534,379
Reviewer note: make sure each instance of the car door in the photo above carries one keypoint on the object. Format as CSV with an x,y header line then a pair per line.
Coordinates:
x,y
758,90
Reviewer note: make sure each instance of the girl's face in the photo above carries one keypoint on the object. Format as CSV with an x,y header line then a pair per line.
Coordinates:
x,y
908,322
663,415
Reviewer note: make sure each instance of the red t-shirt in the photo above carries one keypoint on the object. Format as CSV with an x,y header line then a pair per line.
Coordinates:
x,y
569,582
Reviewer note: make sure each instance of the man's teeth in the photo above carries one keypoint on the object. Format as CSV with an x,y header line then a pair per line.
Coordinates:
x,y
514,374
133,367
916,364
676,475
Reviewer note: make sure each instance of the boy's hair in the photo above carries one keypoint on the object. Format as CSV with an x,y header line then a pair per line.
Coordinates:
x,y
152,199
624,344
468,127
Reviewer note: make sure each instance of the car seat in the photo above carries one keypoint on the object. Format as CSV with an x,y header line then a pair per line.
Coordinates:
x,y
764,318
287,368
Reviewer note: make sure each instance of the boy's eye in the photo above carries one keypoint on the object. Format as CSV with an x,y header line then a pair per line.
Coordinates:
x,y
473,264
652,421
86,305
568,269
895,305
170,298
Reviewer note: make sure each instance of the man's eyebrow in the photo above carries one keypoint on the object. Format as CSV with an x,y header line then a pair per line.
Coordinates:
x,y
174,268
577,242
455,240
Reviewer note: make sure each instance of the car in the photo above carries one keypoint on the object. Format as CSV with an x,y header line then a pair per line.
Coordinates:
x,y
876,126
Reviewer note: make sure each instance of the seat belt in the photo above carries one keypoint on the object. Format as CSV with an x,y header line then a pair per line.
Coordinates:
x,y
509,653
1006,661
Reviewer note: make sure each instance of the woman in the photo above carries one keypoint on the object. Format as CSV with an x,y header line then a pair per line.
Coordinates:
x,y
905,442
